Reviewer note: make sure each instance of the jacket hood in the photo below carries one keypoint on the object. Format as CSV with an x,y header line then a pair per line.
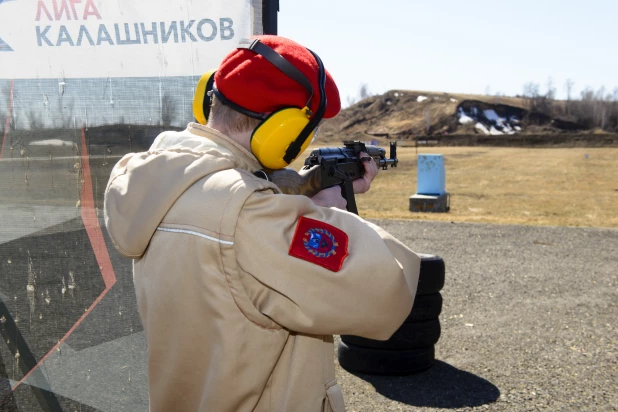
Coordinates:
x,y
144,186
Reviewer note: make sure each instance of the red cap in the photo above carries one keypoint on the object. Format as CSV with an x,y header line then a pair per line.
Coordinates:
x,y
252,82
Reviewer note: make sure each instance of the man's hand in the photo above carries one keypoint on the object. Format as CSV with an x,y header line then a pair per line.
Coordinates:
x,y
330,197
362,184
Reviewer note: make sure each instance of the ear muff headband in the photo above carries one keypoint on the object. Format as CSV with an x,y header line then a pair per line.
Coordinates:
x,y
294,149
202,99
279,62
240,109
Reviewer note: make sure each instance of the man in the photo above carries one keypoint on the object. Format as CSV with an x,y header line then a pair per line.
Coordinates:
x,y
241,288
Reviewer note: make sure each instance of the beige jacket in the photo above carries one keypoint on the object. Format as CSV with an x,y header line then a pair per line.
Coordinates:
x,y
233,321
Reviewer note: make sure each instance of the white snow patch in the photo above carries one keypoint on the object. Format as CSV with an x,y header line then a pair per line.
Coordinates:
x,y
488,121
453,100
481,127
463,119
491,115
494,132
421,98
51,142
396,94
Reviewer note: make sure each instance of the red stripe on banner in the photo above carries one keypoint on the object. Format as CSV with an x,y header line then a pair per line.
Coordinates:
x,y
91,223
8,118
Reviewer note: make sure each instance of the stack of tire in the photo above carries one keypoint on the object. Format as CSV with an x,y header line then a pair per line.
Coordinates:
x,y
411,349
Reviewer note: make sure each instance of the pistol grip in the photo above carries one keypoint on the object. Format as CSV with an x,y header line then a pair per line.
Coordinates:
x,y
347,191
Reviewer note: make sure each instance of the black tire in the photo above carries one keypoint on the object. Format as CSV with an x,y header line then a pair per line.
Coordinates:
x,y
425,307
431,276
384,362
413,335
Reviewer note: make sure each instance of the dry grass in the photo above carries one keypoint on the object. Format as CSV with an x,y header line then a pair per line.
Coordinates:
x,y
557,187
509,100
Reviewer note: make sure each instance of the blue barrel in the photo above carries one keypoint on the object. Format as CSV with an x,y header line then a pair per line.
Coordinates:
x,y
431,179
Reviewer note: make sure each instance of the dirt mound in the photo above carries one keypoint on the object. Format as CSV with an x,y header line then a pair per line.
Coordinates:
x,y
401,114
405,115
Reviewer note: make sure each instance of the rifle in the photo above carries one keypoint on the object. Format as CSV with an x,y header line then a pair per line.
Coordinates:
x,y
330,166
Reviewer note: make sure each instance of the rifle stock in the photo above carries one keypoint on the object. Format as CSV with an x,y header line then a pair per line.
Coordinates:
x,y
307,182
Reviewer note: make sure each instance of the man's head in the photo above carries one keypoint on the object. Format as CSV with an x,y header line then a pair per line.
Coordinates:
x,y
254,85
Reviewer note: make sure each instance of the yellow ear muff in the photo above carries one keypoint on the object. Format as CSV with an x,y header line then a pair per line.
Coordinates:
x,y
272,137
201,99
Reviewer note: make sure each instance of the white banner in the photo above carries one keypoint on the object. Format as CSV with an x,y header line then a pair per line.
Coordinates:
x,y
113,38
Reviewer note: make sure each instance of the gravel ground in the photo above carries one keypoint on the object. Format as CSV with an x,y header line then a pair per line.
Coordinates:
x,y
529,322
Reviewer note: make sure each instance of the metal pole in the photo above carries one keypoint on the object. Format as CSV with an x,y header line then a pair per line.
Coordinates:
x,y
270,8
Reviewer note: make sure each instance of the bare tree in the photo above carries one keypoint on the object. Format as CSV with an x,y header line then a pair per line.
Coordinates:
x,y
551,90
585,107
587,94
600,108
548,101
363,93
531,89
596,109
568,86
614,110
532,95
592,109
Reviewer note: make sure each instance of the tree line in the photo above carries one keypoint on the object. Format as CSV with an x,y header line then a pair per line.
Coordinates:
x,y
592,109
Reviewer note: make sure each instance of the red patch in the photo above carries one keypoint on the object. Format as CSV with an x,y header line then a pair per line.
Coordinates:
x,y
319,243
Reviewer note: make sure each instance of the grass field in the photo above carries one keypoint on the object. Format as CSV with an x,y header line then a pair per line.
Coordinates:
x,y
530,186
556,187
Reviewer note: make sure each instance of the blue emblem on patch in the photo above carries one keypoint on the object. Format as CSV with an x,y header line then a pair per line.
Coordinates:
x,y
320,243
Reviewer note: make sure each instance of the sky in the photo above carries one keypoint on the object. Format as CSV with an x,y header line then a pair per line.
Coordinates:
x,y
474,46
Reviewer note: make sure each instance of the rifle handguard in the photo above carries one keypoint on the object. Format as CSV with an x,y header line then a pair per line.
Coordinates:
x,y
330,166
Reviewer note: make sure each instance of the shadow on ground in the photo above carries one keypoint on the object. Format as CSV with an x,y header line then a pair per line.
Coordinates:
x,y
441,386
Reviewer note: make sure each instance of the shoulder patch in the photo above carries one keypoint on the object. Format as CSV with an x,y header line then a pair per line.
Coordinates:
x,y
320,243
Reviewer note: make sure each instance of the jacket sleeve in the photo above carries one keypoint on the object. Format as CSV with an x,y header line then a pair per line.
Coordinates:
x,y
370,295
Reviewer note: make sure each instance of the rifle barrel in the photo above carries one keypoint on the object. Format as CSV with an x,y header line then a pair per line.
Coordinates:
x,y
383,163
